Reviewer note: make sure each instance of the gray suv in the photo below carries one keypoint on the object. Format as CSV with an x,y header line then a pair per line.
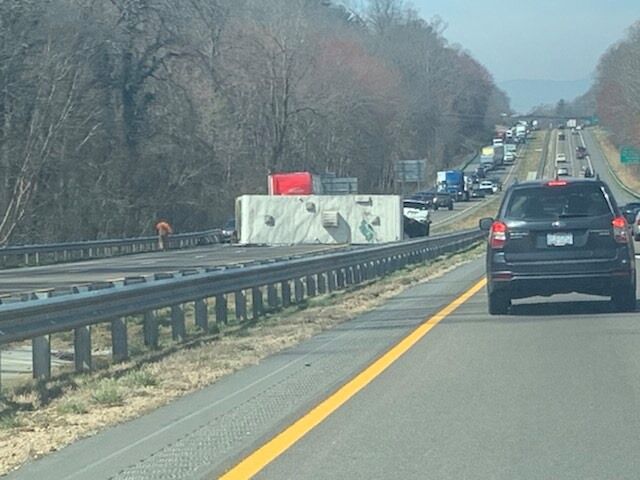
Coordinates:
x,y
559,236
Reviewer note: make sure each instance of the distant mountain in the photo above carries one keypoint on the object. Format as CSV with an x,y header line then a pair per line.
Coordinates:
x,y
527,94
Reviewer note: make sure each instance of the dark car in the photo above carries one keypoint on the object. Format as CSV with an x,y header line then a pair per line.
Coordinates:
x,y
581,152
443,200
630,210
559,236
229,232
561,136
480,172
426,197
477,193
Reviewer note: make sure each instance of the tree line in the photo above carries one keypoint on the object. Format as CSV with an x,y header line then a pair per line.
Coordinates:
x,y
114,113
617,89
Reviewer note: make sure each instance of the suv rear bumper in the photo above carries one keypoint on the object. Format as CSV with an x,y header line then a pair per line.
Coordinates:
x,y
522,286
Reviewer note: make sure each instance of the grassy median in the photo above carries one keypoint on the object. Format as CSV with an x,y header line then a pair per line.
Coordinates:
x,y
629,175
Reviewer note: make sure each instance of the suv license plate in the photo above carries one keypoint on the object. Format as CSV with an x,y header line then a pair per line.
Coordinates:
x,y
559,239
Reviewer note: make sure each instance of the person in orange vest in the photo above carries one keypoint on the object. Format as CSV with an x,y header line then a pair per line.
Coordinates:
x,y
164,230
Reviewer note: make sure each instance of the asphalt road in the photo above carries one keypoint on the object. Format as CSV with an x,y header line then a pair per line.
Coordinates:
x,y
550,391
68,274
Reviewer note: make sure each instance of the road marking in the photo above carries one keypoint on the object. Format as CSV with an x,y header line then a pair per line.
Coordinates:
x,y
279,444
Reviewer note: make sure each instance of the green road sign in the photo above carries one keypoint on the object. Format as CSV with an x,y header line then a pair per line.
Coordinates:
x,y
629,154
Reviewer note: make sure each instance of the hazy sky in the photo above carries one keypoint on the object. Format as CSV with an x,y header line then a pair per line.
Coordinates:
x,y
534,39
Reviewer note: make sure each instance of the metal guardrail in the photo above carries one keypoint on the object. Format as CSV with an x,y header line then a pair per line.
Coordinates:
x,y
35,254
46,313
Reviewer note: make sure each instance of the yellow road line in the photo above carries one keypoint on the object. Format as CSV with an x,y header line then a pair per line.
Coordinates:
x,y
275,447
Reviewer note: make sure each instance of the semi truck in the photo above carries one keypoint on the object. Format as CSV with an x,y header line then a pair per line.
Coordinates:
x,y
498,155
454,183
487,160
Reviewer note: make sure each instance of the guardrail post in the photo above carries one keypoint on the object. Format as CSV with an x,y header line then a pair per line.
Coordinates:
x,y
202,314
332,284
272,296
178,330
41,357
311,285
241,305
82,348
298,290
285,288
256,302
340,278
368,272
26,259
322,283
119,340
150,329
357,274
349,277
221,309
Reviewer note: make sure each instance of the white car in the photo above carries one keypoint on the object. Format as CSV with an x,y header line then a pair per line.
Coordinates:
x,y
487,186
562,172
417,210
561,158
417,217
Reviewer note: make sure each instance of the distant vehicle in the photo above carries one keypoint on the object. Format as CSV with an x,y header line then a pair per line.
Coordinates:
x,y
497,184
417,218
630,210
453,182
229,232
562,172
561,158
636,227
443,200
549,238
477,193
487,186
561,136
480,172
572,123
581,152
487,160
426,197
588,173
579,127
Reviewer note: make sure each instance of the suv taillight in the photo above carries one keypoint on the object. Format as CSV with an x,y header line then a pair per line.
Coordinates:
x,y
498,234
620,230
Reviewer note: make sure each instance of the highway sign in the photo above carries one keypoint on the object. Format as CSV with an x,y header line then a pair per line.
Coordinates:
x,y
629,154
410,171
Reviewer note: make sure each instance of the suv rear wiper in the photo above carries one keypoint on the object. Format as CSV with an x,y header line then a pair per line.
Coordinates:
x,y
572,215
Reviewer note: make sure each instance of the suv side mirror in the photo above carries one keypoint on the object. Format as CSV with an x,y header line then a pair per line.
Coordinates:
x,y
485,224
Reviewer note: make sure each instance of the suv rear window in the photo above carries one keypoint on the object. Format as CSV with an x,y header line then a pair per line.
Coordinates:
x,y
552,202
416,205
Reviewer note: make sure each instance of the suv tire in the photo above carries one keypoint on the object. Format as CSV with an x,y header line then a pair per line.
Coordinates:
x,y
625,299
499,303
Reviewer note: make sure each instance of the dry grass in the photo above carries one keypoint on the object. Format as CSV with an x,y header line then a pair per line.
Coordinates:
x,y
629,175
40,418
